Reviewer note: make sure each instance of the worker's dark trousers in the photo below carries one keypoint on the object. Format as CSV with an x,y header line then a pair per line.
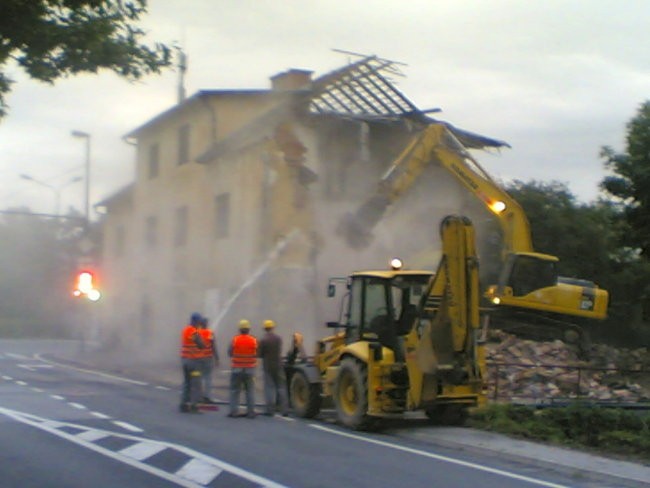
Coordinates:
x,y
275,391
242,378
191,381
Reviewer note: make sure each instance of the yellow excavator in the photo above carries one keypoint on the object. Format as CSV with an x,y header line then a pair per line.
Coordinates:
x,y
406,341
530,298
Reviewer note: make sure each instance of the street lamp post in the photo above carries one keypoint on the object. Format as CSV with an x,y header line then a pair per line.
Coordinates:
x,y
55,189
86,136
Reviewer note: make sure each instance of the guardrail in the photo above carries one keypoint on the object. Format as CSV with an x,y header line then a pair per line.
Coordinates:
x,y
530,383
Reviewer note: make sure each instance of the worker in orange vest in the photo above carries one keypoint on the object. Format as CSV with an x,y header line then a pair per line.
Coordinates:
x,y
191,350
209,359
243,353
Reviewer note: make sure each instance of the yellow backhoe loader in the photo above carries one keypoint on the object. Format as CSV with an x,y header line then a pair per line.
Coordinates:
x,y
530,298
406,340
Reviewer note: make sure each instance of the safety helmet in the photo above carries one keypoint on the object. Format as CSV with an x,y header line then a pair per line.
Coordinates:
x,y
244,324
195,318
269,324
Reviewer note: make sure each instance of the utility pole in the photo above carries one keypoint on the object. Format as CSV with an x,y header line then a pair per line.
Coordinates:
x,y
86,136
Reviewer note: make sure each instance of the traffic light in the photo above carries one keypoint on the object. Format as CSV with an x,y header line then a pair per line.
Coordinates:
x,y
85,286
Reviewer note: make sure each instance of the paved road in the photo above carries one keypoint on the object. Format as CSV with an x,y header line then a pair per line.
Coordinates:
x,y
63,424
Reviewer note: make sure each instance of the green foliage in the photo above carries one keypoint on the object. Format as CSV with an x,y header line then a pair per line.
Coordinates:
x,y
609,430
629,187
50,39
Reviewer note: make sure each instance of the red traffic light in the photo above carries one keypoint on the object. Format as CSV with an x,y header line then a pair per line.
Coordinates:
x,y
85,286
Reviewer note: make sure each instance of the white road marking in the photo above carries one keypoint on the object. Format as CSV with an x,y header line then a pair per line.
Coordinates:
x,y
162,388
100,415
47,426
77,406
14,355
91,371
92,435
57,397
34,367
37,390
8,378
143,450
127,426
199,471
21,383
459,462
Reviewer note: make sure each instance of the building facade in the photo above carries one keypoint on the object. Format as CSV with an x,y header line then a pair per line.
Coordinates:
x,y
238,197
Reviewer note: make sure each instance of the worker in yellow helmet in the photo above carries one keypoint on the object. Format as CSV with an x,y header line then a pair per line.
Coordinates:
x,y
275,389
243,354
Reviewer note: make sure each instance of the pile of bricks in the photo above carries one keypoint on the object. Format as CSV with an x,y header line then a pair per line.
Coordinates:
x,y
520,369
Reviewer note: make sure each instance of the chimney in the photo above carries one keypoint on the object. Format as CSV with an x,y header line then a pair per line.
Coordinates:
x,y
293,79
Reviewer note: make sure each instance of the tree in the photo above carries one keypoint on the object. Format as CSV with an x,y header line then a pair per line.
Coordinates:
x,y
51,39
630,183
629,186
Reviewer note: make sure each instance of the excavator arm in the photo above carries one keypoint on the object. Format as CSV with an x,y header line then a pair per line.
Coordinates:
x,y
436,144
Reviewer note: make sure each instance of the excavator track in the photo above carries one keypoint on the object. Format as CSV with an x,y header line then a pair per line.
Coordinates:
x,y
542,328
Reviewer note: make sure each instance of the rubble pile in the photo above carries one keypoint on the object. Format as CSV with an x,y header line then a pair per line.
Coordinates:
x,y
520,369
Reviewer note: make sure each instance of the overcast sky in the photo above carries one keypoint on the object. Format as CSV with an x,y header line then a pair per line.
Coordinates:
x,y
555,79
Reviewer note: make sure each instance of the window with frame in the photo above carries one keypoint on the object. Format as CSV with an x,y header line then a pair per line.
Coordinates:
x,y
181,226
151,232
154,161
183,144
222,215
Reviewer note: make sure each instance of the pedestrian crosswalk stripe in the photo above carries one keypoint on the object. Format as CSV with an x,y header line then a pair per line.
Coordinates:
x,y
199,471
143,450
92,435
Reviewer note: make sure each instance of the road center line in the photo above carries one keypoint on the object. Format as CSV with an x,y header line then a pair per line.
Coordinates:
x,y
100,415
91,371
77,405
127,426
57,397
459,462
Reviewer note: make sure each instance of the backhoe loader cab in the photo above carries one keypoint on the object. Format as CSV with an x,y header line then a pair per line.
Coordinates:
x,y
380,305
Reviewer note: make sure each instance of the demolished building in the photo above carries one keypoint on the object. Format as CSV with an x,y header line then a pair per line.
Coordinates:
x,y
237,197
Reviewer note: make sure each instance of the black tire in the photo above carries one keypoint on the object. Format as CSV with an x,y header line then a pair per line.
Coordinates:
x,y
304,396
447,414
351,396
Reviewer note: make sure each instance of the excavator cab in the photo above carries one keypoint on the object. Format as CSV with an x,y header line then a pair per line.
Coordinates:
x,y
524,273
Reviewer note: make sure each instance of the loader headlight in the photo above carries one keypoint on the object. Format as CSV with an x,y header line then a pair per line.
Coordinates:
x,y
496,300
396,263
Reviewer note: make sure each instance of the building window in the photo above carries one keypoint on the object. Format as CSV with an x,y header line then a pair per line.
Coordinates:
x,y
151,232
222,215
154,156
184,144
119,241
180,227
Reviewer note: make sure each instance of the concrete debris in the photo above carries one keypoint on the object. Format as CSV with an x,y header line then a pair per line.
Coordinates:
x,y
527,370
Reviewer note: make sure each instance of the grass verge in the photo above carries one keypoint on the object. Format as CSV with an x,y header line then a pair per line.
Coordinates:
x,y
605,430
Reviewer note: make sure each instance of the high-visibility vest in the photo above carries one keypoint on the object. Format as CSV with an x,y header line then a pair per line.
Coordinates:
x,y
189,348
208,341
244,351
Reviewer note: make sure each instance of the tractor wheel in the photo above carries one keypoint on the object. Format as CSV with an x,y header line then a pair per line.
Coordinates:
x,y
351,395
304,396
